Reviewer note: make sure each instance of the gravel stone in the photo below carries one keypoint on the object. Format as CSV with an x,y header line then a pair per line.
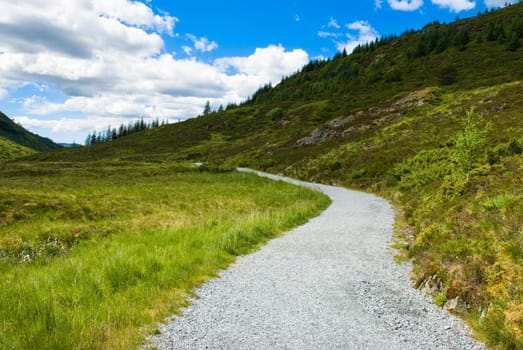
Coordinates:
x,y
329,284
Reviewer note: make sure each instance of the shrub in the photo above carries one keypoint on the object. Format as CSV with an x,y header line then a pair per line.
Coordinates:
x,y
448,75
470,142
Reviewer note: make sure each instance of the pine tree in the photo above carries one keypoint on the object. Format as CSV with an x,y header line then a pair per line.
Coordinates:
x,y
207,108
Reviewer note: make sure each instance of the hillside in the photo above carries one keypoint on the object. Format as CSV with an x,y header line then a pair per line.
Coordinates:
x,y
15,133
10,150
431,120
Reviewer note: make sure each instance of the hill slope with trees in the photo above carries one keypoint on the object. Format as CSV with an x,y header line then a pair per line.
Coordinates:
x,y
17,141
432,120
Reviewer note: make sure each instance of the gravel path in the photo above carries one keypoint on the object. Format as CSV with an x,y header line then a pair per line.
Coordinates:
x,y
329,284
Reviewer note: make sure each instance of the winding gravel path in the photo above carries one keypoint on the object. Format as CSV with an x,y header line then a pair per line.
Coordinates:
x,y
329,284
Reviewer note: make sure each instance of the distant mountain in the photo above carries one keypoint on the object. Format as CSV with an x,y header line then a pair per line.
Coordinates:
x,y
15,133
69,145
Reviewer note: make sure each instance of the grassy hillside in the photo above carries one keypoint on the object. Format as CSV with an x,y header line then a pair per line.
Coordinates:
x,y
93,254
372,77
10,150
433,120
17,134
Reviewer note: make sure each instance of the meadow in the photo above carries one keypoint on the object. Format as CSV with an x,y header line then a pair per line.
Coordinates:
x,y
94,255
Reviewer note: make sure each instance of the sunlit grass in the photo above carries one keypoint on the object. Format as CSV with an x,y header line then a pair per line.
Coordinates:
x,y
94,255
10,150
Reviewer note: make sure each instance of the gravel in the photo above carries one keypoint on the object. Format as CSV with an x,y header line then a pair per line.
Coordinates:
x,y
329,284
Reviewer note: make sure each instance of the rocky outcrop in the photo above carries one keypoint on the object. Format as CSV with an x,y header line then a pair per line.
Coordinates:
x,y
373,117
318,135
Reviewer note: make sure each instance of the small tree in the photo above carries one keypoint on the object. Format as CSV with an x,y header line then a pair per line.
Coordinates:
x,y
470,142
207,108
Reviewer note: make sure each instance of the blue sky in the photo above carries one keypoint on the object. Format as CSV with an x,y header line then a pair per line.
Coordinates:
x,y
70,67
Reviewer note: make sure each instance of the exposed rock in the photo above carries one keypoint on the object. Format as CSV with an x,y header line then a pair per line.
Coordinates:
x,y
355,129
456,305
341,121
415,99
373,117
318,135
431,286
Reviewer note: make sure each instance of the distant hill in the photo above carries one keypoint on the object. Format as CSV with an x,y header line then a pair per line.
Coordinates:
x,y
432,120
68,145
11,131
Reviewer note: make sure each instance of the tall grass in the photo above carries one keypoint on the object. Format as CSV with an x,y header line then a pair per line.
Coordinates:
x,y
163,232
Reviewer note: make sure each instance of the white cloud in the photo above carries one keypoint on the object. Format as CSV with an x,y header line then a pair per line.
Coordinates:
x,y
203,44
187,50
333,24
320,58
105,59
377,4
135,13
366,34
455,5
272,62
91,123
499,3
405,5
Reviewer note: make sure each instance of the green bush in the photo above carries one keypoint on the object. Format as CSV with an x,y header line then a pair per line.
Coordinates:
x,y
470,142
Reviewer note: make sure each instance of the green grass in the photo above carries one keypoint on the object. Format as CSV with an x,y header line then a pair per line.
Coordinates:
x,y
10,150
92,255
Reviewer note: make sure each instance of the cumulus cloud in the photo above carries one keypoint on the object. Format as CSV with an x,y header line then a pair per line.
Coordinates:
x,y
203,44
272,62
405,5
455,5
499,3
106,61
89,123
365,34
136,14
75,28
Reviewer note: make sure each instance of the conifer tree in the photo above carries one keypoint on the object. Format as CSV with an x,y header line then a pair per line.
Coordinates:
x,y
207,108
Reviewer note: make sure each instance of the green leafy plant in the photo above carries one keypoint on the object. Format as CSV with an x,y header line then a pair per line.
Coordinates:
x,y
470,142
